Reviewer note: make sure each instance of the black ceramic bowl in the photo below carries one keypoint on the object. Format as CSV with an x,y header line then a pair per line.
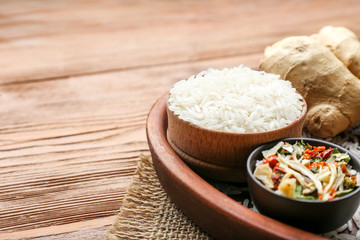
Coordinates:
x,y
311,215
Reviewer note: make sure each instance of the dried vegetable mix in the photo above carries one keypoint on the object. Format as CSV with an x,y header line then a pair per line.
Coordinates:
x,y
307,172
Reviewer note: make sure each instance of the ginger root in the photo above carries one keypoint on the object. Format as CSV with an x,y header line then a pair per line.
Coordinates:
x,y
344,44
331,91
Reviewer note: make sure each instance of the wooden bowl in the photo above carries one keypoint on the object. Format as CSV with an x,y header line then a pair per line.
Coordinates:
x,y
216,213
222,155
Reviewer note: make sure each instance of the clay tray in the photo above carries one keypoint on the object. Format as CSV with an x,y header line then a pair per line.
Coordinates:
x,y
205,202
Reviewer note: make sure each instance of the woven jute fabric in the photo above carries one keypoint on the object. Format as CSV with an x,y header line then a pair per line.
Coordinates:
x,y
148,213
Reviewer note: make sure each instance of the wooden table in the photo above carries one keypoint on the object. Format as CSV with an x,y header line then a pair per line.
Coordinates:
x,y
77,79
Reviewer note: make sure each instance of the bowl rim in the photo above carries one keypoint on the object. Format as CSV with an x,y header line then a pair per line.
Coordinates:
x,y
341,149
184,186
299,119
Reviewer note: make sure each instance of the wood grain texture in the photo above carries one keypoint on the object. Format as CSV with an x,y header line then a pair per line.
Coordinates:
x,y
78,78
63,38
74,163
197,198
221,155
90,229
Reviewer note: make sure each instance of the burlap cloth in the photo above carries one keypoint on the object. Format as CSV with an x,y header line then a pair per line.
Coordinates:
x,y
148,213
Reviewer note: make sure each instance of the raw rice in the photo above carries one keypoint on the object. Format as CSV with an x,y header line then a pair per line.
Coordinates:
x,y
238,100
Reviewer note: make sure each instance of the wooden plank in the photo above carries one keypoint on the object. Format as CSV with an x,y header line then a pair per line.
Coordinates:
x,y
69,147
91,229
66,38
78,78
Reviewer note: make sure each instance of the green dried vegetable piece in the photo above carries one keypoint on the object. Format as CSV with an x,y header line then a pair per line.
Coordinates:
x,y
349,183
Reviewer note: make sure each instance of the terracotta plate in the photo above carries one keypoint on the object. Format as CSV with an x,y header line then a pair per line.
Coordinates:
x,y
218,214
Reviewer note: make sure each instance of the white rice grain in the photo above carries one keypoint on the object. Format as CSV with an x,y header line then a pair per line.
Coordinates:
x,y
238,100
342,228
350,225
356,218
345,236
246,202
357,236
